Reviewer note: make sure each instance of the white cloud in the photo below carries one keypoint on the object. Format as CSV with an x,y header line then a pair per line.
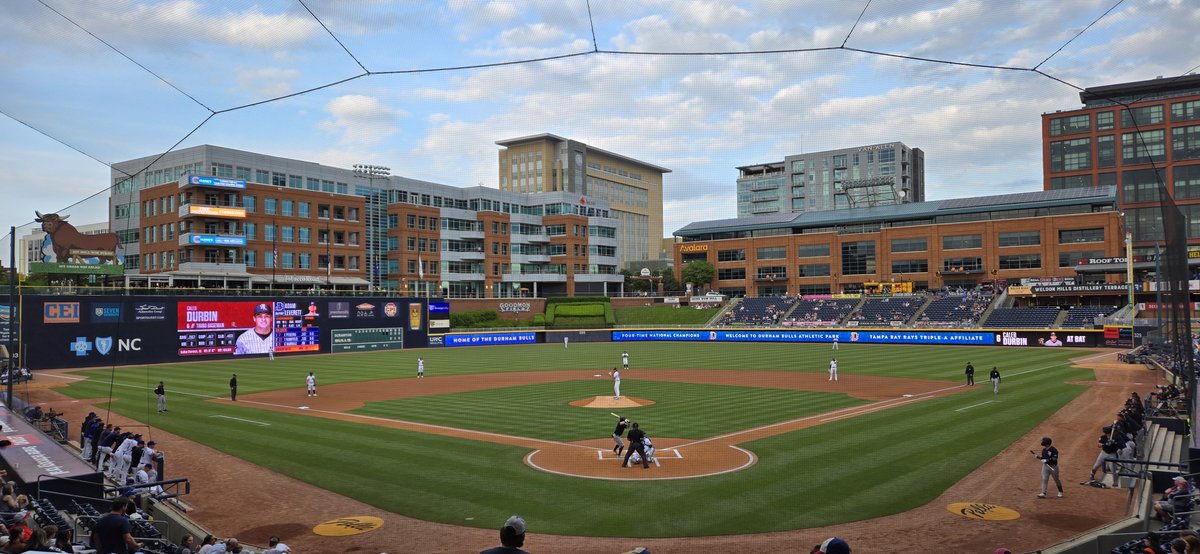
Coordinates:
x,y
361,120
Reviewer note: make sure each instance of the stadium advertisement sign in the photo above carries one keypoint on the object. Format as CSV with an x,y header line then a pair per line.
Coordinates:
x,y
486,339
970,338
116,330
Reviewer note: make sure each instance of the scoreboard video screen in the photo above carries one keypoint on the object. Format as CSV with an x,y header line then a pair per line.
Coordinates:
x,y
208,328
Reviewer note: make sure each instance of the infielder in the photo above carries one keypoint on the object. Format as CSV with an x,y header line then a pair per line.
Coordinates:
x,y
420,368
311,381
616,377
833,370
995,377
625,360
1049,458
622,423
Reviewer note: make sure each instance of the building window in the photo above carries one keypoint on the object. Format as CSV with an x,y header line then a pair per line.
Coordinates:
x,y
1071,236
1104,121
737,255
304,235
302,209
1070,125
1145,115
269,206
962,265
1071,155
1140,185
812,250
1144,147
910,245
287,208
1187,181
1021,261
1072,182
858,257
959,242
1020,238
771,253
1185,111
813,270
732,273
910,266
1185,143
772,272
1070,259
1106,151
248,203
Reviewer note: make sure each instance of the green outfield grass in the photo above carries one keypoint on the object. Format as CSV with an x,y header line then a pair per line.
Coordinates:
x,y
858,468
663,315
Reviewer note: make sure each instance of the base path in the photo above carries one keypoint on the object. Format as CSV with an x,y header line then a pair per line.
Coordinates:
x,y
220,481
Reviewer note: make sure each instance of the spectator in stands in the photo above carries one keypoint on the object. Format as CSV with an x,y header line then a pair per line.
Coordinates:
x,y
1178,546
1179,492
834,545
276,547
1192,539
1151,544
9,498
113,532
230,546
207,544
512,537
63,543
39,541
187,545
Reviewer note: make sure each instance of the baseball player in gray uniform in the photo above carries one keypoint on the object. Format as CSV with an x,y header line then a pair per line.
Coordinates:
x,y
616,436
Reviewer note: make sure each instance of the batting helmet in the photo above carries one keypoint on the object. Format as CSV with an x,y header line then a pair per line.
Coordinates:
x,y
1046,441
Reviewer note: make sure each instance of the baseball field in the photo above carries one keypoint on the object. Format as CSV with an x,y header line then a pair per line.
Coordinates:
x,y
752,438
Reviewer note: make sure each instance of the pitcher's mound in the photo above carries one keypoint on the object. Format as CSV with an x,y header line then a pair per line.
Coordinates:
x,y
610,402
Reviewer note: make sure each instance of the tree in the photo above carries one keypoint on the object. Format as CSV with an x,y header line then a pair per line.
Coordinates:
x,y
670,283
699,274
634,283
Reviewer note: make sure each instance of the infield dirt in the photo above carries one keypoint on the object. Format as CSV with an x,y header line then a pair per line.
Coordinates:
x,y
233,498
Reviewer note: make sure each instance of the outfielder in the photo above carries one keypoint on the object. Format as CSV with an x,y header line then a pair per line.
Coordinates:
x,y
625,360
616,435
616,377
311,381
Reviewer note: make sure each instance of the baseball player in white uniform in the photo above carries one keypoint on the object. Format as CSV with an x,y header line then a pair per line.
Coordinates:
x,y
420,368
122,458
625,360
311,381
616,376
833,370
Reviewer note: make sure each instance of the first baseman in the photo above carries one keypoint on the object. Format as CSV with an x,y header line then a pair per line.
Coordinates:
x,y
311,381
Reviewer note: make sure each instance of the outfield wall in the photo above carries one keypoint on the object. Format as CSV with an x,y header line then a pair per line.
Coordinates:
x,y
1080,338
76,331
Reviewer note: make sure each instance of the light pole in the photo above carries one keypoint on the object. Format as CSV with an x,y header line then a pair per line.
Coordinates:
x,y
1128,257
374,223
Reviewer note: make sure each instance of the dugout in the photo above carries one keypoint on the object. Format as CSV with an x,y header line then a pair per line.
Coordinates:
x,y
41,465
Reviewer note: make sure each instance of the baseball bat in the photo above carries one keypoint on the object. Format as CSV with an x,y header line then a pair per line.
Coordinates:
x,y
615,415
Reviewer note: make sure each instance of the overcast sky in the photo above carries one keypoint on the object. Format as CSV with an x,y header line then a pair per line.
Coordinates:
x,y
87,84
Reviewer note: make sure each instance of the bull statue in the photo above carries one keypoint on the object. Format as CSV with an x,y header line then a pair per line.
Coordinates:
x,y
69,243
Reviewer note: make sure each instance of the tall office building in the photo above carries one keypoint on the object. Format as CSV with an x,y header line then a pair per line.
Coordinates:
x,y
1134,136
213,216
859,177
633,188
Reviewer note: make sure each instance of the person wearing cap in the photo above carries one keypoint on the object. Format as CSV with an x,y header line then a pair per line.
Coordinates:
x,y
1049,458
233,388
995,378
622,423
1178,493
834,545
276,547
149,454
512,537
161,392
635,445
259,339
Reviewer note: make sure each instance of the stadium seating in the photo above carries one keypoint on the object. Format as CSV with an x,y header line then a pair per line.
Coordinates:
x,y
1085,316
763,310
823,311
1037,317
883,311
954,311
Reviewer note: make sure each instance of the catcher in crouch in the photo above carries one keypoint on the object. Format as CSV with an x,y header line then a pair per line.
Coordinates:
x,y
648,447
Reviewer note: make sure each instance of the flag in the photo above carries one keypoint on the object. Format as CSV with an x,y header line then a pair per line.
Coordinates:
x,y
582,200
420,267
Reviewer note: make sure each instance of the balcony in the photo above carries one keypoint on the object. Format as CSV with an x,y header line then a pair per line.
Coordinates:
x,y
207,239
533,239
208,210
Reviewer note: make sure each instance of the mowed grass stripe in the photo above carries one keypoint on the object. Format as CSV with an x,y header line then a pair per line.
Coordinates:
x,y
682,410
808,477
